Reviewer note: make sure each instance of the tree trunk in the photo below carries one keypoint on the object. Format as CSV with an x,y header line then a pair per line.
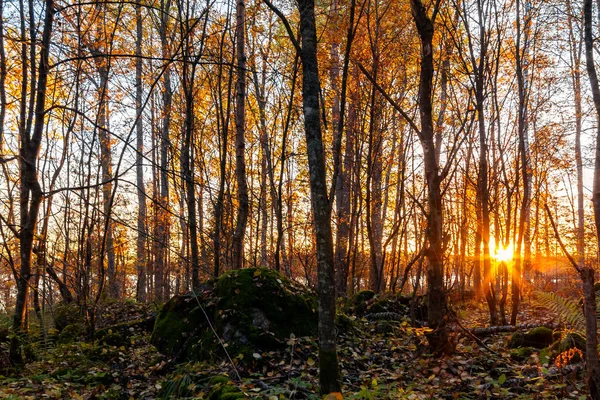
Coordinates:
x,y
30,190
187,170
587,276
522,128
438,339
343,207
3,74
329,373
575,49
163,221
240,141
141,190
223,128
99,47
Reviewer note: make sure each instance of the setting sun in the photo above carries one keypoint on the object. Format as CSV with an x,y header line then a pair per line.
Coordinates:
x,y
501,253
504,254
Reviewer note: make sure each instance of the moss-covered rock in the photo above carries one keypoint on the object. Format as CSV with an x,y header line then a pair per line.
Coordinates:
x,y
367,302
66,314
358,303
70,333
114,339
346,324
516,340
251,310
539,338
387,303
521,353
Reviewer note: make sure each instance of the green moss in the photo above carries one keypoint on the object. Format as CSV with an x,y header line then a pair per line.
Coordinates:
x,y
521,353
545,355
218,379
345,323
251,310
114,339
364,295
384,304
358,303
222,388
516,340
126,328
70,333
66,314
274,296
538,337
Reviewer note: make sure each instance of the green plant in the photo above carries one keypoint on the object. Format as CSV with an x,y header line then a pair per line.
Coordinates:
x,y
568,311
179,386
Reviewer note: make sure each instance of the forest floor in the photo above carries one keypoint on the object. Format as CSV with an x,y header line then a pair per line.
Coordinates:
x,y
378,361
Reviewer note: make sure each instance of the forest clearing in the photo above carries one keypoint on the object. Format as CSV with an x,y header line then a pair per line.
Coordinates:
x,y
363,199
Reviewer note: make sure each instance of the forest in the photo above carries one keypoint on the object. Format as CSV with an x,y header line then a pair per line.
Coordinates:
x,y
271,199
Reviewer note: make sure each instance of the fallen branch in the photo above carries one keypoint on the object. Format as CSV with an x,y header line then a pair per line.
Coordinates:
x,y
472,336
492,330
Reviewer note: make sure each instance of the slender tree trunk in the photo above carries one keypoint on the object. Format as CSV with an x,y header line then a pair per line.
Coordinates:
x,y
3,74
374,168
587,276
522,122
329,373
373,193
223,127
343,206
99,48
188,171
575,47
438,338
267,176
141,190
30,190
240,141
107,175
163,215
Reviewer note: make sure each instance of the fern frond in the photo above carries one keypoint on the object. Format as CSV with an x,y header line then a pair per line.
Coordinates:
x,y
567,311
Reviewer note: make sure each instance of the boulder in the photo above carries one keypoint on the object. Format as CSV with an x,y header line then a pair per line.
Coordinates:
x,y
66,314
71,333
358,303
366,302
250,310
538,338
114,339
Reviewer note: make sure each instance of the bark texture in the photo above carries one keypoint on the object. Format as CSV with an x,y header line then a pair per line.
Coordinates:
x,y
587,274
438,339
240,141
329,373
